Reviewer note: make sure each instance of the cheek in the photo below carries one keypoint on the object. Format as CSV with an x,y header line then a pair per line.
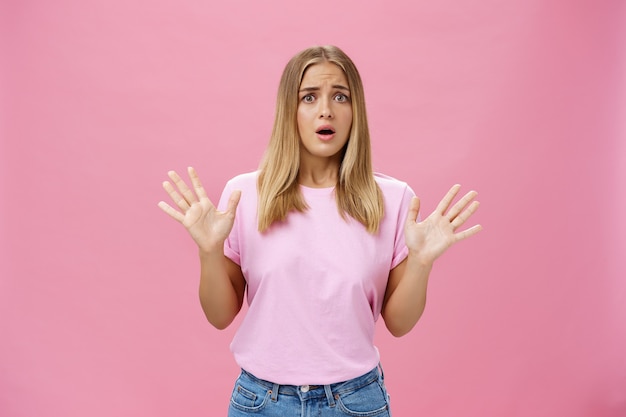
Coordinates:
x,y
302,122
301,117
347,118
299,120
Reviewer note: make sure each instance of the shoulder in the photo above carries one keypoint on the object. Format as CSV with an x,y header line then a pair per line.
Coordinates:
x,y
244,181
391,186
396,194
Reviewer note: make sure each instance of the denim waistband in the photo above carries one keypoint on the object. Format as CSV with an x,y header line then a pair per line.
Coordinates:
x,y
330,390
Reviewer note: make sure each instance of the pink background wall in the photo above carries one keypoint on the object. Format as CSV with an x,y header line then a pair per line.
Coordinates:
x,y
523,100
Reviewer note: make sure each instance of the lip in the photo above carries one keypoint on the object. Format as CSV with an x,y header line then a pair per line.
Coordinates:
x,y
325,137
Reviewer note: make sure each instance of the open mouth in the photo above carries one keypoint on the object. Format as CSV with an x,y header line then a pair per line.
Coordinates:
x,y
325,131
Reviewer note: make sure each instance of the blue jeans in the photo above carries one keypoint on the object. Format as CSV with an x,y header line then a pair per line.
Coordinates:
x,y
364,396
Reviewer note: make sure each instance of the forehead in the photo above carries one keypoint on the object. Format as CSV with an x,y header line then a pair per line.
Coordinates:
x,y
324,72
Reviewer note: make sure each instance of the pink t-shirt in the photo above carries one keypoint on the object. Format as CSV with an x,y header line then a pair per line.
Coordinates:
x,y
315,284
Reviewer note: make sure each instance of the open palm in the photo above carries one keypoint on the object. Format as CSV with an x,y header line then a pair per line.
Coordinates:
x,y
207,226
431,237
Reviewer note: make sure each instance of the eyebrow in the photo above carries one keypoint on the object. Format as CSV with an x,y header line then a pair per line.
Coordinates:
x,y
337,86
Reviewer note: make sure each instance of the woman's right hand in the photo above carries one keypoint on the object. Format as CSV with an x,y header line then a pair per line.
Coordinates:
x,y
208,227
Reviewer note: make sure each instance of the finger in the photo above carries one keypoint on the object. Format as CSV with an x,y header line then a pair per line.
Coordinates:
x,y
414,208
233,201
182,187
176,215
197,185
468,232
180,201
461,205
443,205
465,214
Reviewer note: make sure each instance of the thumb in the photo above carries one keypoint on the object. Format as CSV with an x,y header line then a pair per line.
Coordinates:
x,y
233,201
414,208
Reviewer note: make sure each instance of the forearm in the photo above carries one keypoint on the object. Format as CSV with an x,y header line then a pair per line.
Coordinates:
x,y
405,304
221,294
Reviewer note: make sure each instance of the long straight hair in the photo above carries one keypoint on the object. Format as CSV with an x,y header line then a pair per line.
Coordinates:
x,y
356,191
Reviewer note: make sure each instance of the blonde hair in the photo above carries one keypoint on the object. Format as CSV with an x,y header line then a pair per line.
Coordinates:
x,y
356,192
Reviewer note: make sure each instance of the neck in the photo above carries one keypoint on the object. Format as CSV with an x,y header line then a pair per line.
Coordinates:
x,y
319,173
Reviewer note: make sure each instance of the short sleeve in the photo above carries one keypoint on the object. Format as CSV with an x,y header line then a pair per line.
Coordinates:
x,y
400,250
231,244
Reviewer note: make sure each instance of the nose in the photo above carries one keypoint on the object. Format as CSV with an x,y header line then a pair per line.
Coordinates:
x,y
325,109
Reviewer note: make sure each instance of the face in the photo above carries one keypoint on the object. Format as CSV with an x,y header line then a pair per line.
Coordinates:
x,y
324,112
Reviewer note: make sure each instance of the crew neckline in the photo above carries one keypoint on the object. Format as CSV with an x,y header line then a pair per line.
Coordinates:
x,y
315,190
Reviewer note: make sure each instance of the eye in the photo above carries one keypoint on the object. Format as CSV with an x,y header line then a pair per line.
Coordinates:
x,y
342,98
309,98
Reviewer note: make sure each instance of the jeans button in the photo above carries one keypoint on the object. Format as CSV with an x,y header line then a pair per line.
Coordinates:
x,y
304,388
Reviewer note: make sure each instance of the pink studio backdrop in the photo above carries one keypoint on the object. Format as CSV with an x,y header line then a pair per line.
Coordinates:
x,y
523,100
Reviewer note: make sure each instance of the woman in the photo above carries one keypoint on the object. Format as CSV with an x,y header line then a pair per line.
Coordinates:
x,y
323,246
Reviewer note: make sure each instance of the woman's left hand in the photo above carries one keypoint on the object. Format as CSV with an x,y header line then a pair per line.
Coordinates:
x,y
430,238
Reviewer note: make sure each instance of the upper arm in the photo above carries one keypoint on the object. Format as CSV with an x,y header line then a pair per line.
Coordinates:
x,y
395,276
237,280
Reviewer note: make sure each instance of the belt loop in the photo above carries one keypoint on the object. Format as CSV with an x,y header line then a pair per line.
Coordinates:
x,y
275,392
329,395
382,373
